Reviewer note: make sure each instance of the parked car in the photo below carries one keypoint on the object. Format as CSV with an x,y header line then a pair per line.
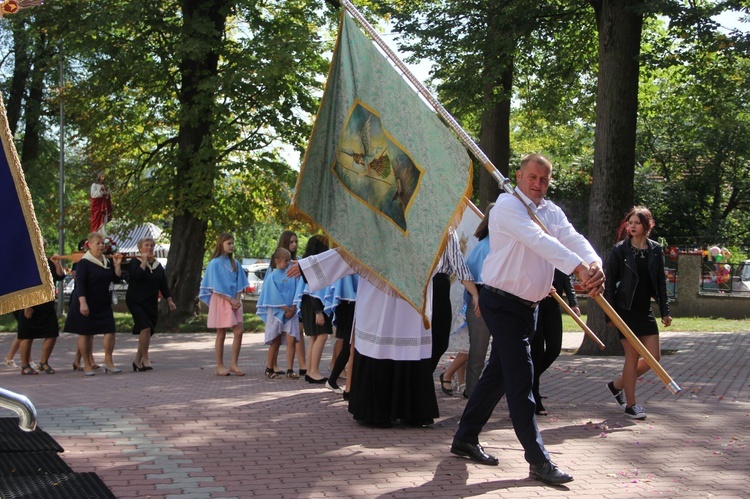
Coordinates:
x,y
68,285
256,272
741,280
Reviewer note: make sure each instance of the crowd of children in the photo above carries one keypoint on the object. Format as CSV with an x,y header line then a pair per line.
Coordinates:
x,y
287,307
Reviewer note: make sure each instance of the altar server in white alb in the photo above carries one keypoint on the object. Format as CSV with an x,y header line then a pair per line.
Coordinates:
x,y
392,371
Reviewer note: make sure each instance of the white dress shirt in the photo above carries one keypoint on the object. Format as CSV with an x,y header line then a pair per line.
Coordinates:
x,y
522,258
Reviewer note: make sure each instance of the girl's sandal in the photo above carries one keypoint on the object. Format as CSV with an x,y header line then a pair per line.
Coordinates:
x,y
27,370
291,374
44,366
270,374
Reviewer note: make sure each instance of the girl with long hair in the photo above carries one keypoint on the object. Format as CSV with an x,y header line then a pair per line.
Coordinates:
x,y
289,241
221,291
316,322
277,310
635,271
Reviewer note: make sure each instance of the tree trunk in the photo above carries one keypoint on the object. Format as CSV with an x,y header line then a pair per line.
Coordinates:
x,y
33,109
619,23
21,69
494,139
185,263
203,32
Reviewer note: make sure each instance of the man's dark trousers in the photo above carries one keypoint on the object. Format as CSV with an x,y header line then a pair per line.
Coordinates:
x,y
510,324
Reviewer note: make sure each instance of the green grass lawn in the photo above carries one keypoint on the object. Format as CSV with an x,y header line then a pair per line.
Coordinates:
x,y
700,324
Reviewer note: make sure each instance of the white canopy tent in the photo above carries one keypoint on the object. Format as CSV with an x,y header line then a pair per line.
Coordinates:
x,y
127,241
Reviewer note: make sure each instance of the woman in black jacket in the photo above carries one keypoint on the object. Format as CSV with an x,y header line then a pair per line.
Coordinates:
x,y
635,271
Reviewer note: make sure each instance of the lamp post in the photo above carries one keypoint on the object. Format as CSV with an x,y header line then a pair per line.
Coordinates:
x,y
61,226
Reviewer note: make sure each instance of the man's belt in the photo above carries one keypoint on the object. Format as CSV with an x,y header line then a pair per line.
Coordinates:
x,y
510,296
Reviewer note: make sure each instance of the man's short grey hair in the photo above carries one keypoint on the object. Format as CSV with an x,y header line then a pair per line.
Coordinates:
x,y
536,158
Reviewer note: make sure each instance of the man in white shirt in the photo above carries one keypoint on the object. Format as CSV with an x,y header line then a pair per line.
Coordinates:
x,y
517,274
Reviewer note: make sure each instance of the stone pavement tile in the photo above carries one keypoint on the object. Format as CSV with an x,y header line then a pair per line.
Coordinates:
x,y
181,431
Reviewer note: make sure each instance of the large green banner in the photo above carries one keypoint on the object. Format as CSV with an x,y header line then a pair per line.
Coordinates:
x,y
383,177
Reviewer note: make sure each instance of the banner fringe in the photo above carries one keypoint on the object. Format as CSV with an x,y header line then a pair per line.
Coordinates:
x,y
46,291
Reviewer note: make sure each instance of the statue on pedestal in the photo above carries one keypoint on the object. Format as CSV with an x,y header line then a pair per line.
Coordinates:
x,y
101,205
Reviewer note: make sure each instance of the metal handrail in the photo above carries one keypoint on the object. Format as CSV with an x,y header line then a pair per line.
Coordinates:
x,y
22,406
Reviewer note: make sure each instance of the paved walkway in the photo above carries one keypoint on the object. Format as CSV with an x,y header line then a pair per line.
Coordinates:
x,y
181,431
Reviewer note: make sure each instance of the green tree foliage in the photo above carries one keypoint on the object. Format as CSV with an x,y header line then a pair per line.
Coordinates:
x,y
28,62
185,105
128,99
486,53
693,130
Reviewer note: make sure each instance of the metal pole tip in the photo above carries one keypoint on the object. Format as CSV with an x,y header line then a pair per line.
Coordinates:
x,y
674,388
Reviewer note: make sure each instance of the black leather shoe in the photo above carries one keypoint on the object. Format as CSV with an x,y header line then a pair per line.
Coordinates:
x,y
549,473
475,452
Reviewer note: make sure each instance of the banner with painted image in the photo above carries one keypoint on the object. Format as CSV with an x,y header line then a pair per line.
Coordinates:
x,y
383,177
